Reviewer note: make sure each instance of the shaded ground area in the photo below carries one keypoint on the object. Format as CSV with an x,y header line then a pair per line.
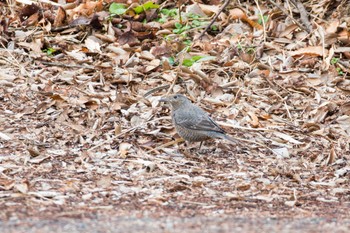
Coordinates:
x,y
316,217
215,224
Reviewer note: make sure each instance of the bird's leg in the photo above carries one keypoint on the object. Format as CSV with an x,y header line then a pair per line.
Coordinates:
x,y
185,147
199,151
200,145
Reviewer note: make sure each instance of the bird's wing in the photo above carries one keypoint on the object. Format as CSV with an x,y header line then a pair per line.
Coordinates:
x,y
196,120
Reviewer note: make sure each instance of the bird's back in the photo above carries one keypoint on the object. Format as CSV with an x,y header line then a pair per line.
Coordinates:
x,y
193,117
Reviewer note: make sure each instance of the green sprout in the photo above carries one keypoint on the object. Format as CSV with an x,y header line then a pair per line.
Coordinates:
x,y
334,60
261,18
189,62
49,51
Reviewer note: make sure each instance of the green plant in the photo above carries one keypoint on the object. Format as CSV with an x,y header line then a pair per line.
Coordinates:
x,y
250,50
340,71
169,12
120,9
214,28
179,28
189,62
261,18
146,6
334,60
171,61
49,51
187,42
117,9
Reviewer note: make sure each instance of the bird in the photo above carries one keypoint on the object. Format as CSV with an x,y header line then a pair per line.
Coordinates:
x,y
191,122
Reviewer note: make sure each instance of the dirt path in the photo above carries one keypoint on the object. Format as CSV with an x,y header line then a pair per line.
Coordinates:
x,y
217,224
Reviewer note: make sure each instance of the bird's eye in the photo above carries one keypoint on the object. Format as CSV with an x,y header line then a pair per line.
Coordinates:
x,y
175,97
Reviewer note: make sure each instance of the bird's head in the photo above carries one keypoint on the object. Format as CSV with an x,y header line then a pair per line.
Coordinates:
x,y
175,101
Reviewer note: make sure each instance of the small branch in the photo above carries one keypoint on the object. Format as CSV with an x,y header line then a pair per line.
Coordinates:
x,y
156,89
214,19
67,65
304,16
286,14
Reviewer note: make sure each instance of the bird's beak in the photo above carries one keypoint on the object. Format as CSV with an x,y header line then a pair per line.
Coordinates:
x,y
164,99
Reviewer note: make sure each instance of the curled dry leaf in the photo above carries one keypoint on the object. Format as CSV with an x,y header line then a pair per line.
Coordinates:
x,y
5,137
310,51
22,187
124,148
281,153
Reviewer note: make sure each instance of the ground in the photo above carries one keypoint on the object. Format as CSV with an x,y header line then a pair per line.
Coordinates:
x,y
86,146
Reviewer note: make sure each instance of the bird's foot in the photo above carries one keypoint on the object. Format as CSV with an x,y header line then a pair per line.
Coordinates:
x,y
192,154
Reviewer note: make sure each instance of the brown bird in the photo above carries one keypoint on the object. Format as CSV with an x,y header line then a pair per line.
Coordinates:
x,y
191,122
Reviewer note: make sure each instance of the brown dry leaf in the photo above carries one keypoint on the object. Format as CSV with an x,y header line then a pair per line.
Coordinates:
x,y
128,38
288,31
6,184
35,46
238,13
310,51
93,44
22,187
85,9
208,9
60,17
124,148
254,120
5,137
33,151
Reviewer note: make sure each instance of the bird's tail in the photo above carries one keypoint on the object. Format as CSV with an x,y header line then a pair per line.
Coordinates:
x,y
228,138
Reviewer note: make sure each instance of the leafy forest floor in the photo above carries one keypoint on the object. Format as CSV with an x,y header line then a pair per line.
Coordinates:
x,y
85,145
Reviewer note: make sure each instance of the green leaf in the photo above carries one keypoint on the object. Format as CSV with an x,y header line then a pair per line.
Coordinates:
x,y
334,60
180,28
169,13
339,70
192,60
196,23
265,18
146,6
177,31
138,9
187,27
117,8
250,50
187,62
161,20
187,42
171,60
193,16
205,58
150,5
196,58
178,25
165,11
49,51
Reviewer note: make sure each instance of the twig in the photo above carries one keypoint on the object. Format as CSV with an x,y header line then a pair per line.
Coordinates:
x,y
214,19
262,19
67,65
256,143
155,90
286,14
169,143
303,15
